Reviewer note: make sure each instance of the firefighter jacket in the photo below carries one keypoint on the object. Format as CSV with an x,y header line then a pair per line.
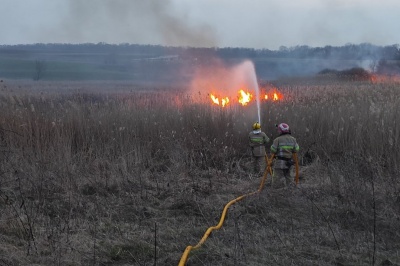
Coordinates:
x,y
283,147
257,141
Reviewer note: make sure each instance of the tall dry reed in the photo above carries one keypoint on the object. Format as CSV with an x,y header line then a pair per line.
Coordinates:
x,y
87,169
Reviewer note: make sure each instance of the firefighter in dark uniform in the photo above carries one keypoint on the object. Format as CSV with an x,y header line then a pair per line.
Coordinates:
x,y
283,148
258,141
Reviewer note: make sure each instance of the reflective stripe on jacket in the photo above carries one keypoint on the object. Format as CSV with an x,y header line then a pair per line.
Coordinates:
x,y
257,141
284,146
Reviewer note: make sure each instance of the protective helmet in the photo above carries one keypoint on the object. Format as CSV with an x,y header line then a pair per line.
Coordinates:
x,y
256,126
283,128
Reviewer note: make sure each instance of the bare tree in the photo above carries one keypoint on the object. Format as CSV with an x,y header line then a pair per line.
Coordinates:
x,y
40,68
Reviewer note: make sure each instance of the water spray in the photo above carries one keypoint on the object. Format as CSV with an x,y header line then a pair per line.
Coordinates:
x,y
253,82
225,82
257,89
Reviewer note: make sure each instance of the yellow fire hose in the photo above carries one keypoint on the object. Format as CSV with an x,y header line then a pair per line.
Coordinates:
x,y
268,169
296,162
185,255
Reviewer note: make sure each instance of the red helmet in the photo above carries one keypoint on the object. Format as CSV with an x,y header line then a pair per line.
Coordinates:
x,y
283,128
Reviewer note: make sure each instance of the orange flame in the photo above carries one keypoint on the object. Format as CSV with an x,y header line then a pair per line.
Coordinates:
x,y
224,101
214,99
274,96
244,97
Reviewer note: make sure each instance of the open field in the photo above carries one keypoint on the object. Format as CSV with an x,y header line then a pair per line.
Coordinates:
x,y
145,70
144,64
108,173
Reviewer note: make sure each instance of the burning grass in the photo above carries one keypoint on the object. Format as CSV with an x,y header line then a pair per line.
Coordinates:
x,y
92,174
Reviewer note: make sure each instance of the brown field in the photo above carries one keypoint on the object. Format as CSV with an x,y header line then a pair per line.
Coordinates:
x,y
101,173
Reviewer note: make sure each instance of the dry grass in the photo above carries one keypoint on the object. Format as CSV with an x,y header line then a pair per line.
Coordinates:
x,y
93,173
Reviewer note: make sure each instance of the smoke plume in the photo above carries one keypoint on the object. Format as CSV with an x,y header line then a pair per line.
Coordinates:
x,y
133,21
223,80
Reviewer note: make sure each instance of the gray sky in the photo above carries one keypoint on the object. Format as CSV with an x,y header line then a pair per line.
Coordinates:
x,y
202,23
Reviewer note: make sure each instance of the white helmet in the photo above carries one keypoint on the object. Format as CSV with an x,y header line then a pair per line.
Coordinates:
x,y
283,128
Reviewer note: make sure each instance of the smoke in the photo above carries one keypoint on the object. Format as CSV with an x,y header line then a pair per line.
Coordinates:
x,y
133,21
257,24
224,80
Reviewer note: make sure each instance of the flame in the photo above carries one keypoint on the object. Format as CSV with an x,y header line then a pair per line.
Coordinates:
x,y
224,101
214,99
274,96
244,97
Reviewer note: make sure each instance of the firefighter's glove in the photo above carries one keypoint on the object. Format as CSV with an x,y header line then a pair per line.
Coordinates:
x,y
290,163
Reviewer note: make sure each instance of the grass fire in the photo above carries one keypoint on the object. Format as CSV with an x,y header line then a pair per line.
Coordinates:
x,y
112,173
244,97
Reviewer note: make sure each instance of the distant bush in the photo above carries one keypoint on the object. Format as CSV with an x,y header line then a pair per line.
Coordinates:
x,y
355,73
328,71
386,67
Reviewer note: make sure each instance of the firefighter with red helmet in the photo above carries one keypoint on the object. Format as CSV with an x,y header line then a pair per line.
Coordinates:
x,y
283,148
258,141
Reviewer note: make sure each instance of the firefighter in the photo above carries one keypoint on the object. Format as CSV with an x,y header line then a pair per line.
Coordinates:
x,y
258,141
283,148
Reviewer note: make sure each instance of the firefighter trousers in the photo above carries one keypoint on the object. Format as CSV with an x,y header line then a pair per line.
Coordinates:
x,y
281,178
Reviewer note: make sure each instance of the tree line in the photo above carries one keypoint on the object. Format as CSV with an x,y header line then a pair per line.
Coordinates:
x,y
349,51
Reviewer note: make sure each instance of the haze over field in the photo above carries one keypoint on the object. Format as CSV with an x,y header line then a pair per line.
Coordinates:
x,y
124,131
207,23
